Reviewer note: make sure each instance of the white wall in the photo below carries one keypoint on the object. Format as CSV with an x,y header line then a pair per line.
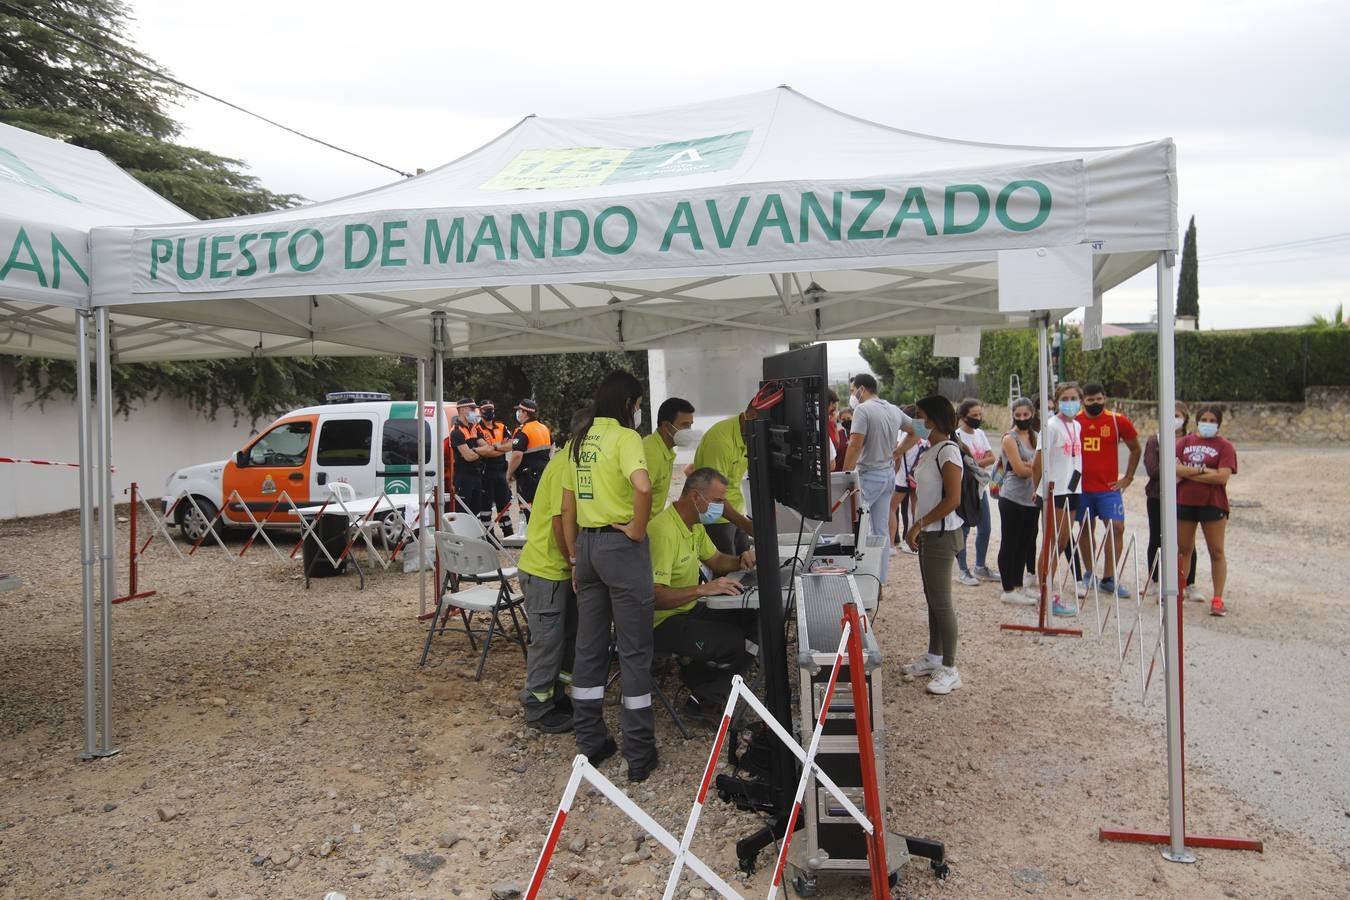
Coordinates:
x,y
154,440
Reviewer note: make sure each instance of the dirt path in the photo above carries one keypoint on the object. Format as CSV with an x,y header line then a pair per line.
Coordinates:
x,y
295,748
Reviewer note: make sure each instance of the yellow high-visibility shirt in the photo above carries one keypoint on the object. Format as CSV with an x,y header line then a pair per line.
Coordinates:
x,y
723,449
660,466
542,557
610,454
676,551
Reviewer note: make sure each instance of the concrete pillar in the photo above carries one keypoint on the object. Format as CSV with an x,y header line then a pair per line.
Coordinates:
x,y
718,374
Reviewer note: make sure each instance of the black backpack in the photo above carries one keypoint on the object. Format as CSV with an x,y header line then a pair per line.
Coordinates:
x,y
969,507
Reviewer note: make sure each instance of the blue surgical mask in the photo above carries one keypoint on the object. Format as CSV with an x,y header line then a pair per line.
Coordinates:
x,y
1207,429
712,513
1070,408
920,428
474,418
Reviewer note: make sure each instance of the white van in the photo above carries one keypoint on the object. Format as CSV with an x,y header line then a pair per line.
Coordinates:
x,y
360,438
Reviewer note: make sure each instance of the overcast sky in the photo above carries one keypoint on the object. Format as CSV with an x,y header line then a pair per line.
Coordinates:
x,y
1255,94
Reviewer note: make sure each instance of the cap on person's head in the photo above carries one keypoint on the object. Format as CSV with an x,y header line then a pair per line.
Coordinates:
x,y
528,406
487,404
468,401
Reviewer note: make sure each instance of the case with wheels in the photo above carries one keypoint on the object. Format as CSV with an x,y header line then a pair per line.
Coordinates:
x,y
832,841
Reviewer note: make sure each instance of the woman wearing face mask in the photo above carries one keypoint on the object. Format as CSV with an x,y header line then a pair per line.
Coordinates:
x,y
1205,462
1151,498
936,536
606,503
1018,514
531,448
836,433
1063,439
971,433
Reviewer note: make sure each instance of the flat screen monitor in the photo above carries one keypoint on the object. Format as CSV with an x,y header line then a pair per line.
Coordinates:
x,y
799,439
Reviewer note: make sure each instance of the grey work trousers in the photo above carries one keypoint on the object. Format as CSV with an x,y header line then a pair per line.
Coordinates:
x,y
937,553
551,607
614,585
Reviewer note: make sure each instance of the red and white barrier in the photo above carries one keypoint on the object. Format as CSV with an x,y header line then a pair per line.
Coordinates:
x,y
850,646
582,770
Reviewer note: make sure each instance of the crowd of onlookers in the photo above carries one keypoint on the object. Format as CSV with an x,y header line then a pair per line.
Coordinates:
x,y
1061,512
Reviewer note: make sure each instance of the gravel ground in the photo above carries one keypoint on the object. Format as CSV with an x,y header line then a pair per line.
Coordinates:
x,y
279,741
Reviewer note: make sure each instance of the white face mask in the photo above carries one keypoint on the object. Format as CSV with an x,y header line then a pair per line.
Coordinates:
x,y
685,437
853,401
637,417
1178,423
520,417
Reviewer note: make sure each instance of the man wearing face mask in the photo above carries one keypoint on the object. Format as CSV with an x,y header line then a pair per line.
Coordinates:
x,y
711,644
496,489
673,422
530,445
1103,433
467,463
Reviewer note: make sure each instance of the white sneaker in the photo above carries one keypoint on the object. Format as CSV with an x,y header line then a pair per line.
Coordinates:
x,y
1030,583
924,665
945,680
1016,598
967,579
1081,589
1033,593
985,573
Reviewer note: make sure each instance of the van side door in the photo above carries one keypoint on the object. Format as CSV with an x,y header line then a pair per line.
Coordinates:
x,y
344,452
276,462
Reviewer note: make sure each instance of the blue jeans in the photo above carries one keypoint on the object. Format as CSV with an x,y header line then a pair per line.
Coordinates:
x,y
877,485
981,538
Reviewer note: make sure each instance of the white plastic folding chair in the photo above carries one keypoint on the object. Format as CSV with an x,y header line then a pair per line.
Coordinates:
x,y
470,526
462,555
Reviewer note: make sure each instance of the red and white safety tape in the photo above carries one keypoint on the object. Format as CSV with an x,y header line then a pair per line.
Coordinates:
x,y
42,462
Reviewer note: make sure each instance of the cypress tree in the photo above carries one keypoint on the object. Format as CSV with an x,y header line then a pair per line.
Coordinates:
x,y
1188,282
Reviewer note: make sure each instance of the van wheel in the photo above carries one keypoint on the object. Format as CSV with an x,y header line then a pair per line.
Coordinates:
x,y
392,530
193,524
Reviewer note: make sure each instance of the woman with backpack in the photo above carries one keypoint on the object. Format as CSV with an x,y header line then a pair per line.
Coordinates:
x,y
935,535
1017,511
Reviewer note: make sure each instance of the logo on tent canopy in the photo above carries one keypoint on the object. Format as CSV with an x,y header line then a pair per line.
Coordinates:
x,y
15,169
589,166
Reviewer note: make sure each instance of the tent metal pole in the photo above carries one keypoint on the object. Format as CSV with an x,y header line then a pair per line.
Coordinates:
x,y
1167,574
87,560
438,344
107,517
421,487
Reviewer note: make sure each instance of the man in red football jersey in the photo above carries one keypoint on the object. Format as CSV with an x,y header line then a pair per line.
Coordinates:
x,y
1103,434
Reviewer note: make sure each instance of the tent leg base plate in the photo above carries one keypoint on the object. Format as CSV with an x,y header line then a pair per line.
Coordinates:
x,y
1192,840
1069,632
98,754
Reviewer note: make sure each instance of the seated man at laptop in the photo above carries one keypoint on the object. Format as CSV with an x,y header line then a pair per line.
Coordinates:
x,y
711,644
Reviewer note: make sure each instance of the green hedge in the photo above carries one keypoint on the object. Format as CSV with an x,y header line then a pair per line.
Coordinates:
x,y
1210,365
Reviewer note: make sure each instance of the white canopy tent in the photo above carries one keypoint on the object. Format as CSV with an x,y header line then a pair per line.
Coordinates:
x,y
767,214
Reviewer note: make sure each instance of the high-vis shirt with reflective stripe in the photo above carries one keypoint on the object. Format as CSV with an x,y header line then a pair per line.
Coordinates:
x,y
610,454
